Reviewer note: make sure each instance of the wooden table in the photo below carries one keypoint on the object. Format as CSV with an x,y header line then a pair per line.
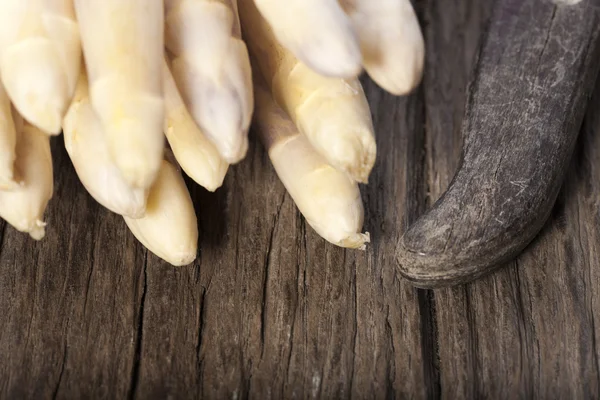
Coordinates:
x,y
270,310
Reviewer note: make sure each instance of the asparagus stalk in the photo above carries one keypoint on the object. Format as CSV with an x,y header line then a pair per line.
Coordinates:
x,y
8,142
333,113
317,32
61,26
212,70
169,227
24,206
86,145
196,155
329,200
123,48
391,42
39,58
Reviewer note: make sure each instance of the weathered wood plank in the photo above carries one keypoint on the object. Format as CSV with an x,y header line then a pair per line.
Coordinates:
x,y
283,314
559,279
452,36
69,303
389,321
528,330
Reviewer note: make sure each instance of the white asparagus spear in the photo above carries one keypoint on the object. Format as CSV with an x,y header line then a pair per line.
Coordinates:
x,y
212,71
328,199
333,113
8,142
39,58
24,206
61,26
123,49
196,155
391,42
86,144
317,32
169,228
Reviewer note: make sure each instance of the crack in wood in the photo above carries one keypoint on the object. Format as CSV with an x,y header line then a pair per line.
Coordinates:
x,y
266,266
522,330
392,361
201,327
135,374
429,343
426,298
354,293
62,369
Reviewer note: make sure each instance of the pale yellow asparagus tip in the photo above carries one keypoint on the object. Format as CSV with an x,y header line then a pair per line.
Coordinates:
x,y
33,77
123,47
333,113
40,55
8,141
317,32
86,145
196,155
328,199
357,241
58,18
391,42
169,227
137,150
212,71
24,206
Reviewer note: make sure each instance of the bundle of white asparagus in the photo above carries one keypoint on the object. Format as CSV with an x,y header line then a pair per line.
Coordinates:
x,y
117,77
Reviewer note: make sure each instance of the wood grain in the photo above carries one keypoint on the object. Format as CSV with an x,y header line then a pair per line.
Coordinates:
x,y
527,331
270,310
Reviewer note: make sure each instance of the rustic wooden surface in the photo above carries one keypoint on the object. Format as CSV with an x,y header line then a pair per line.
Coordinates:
x,y
269,310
